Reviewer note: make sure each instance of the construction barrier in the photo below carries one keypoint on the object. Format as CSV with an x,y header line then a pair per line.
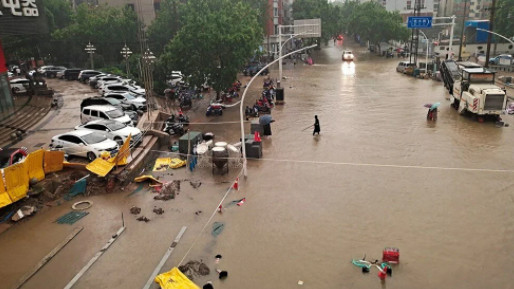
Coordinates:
x,y
53,161
16,181
34,164
4,196
175,279
100,167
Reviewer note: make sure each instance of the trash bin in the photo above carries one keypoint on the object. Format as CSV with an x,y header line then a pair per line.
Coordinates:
x,y
279,96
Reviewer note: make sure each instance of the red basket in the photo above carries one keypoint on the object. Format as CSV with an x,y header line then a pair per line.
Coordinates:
x,y
391,255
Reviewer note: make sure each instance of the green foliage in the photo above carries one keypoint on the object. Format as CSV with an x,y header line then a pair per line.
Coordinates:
x,y
504,18
215,41
370,20
166,25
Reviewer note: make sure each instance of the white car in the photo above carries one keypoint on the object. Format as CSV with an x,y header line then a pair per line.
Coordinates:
x,y
114,130
347,55
122,87
136,101
175,78
84,143
19,85
98,112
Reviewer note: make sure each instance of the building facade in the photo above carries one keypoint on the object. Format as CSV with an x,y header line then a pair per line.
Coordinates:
x,y
406,7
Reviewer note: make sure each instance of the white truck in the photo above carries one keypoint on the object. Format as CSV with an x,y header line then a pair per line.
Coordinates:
x,y
476,93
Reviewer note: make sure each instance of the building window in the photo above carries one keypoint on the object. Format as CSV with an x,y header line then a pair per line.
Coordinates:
x,y
275,12
156,6
409,3
130,6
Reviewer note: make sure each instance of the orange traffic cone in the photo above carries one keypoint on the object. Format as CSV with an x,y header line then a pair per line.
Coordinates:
x,y
235,186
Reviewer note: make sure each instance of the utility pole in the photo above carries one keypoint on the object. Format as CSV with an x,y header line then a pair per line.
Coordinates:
x,y
489,37
90,49
417,12
462,30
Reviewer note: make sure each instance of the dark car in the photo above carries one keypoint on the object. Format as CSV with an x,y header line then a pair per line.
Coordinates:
x,y
52,71
72,73
253,68
84,75
11,156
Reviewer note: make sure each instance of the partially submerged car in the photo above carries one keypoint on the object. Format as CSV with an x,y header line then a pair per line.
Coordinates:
x,y
12,156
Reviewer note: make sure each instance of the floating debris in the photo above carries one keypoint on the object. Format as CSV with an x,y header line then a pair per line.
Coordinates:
x,y
135,210
143,219
158,211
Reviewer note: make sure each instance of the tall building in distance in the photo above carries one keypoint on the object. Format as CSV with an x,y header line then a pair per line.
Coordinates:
x,y
406,7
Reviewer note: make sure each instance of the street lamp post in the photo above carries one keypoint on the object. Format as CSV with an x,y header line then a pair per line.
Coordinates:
x,y
90,49
125,51
426,58
462,31
243,98
499,35
282,45
148,59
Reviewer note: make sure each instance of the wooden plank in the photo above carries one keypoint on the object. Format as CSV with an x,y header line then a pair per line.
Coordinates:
x,y
47,258
94,259
165,258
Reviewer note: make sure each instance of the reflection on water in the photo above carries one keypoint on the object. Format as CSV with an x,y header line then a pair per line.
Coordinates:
x,y
348,68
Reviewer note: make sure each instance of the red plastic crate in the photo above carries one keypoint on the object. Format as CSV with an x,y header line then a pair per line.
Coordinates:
x,y
391,255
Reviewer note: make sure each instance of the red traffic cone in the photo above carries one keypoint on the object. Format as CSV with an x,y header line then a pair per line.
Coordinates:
x,y
235,186
257,137
219,209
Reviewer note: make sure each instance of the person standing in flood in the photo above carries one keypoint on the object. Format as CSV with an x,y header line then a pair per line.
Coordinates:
x,y
317,128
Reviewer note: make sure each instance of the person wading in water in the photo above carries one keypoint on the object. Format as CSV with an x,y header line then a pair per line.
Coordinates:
x,y
317,129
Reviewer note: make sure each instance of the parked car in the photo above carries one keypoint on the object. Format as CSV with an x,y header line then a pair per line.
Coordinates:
x,y
19,85
97,112
84,75
98,81
502,59
44,68
175,78
403,65
122,87
253,68
347,55
114,130
60,74
72,73
12,156
136,101
52,71
84,143
97,100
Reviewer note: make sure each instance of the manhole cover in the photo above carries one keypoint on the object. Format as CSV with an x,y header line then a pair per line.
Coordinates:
x,y
39,144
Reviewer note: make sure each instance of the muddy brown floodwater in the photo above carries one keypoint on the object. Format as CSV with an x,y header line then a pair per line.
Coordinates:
x,y
379,175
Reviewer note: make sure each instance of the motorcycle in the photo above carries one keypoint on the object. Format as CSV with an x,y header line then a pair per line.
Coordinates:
x,y
251,112
172,127
214,109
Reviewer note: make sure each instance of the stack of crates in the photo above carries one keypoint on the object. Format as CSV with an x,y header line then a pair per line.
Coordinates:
x,y
391,255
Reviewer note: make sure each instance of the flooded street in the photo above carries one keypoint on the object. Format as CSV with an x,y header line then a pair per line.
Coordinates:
x,y
379,175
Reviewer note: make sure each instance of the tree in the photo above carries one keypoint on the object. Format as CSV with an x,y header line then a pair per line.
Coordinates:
x,y
107,28
166,25
215,41
504,18
373,23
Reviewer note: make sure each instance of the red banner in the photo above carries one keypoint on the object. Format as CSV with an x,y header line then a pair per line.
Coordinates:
x,y
3,67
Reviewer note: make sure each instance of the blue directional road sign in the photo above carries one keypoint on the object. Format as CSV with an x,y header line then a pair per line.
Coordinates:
x,y
419,22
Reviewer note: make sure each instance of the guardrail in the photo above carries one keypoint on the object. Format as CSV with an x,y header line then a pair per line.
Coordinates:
x,y
507,68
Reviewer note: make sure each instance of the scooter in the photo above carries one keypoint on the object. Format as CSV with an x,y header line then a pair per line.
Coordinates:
x,y
214,109
172,127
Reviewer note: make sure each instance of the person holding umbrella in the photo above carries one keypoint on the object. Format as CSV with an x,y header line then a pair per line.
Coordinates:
x,y
432,110
265,121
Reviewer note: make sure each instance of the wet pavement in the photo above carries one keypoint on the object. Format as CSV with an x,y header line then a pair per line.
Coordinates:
x,y
378,175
